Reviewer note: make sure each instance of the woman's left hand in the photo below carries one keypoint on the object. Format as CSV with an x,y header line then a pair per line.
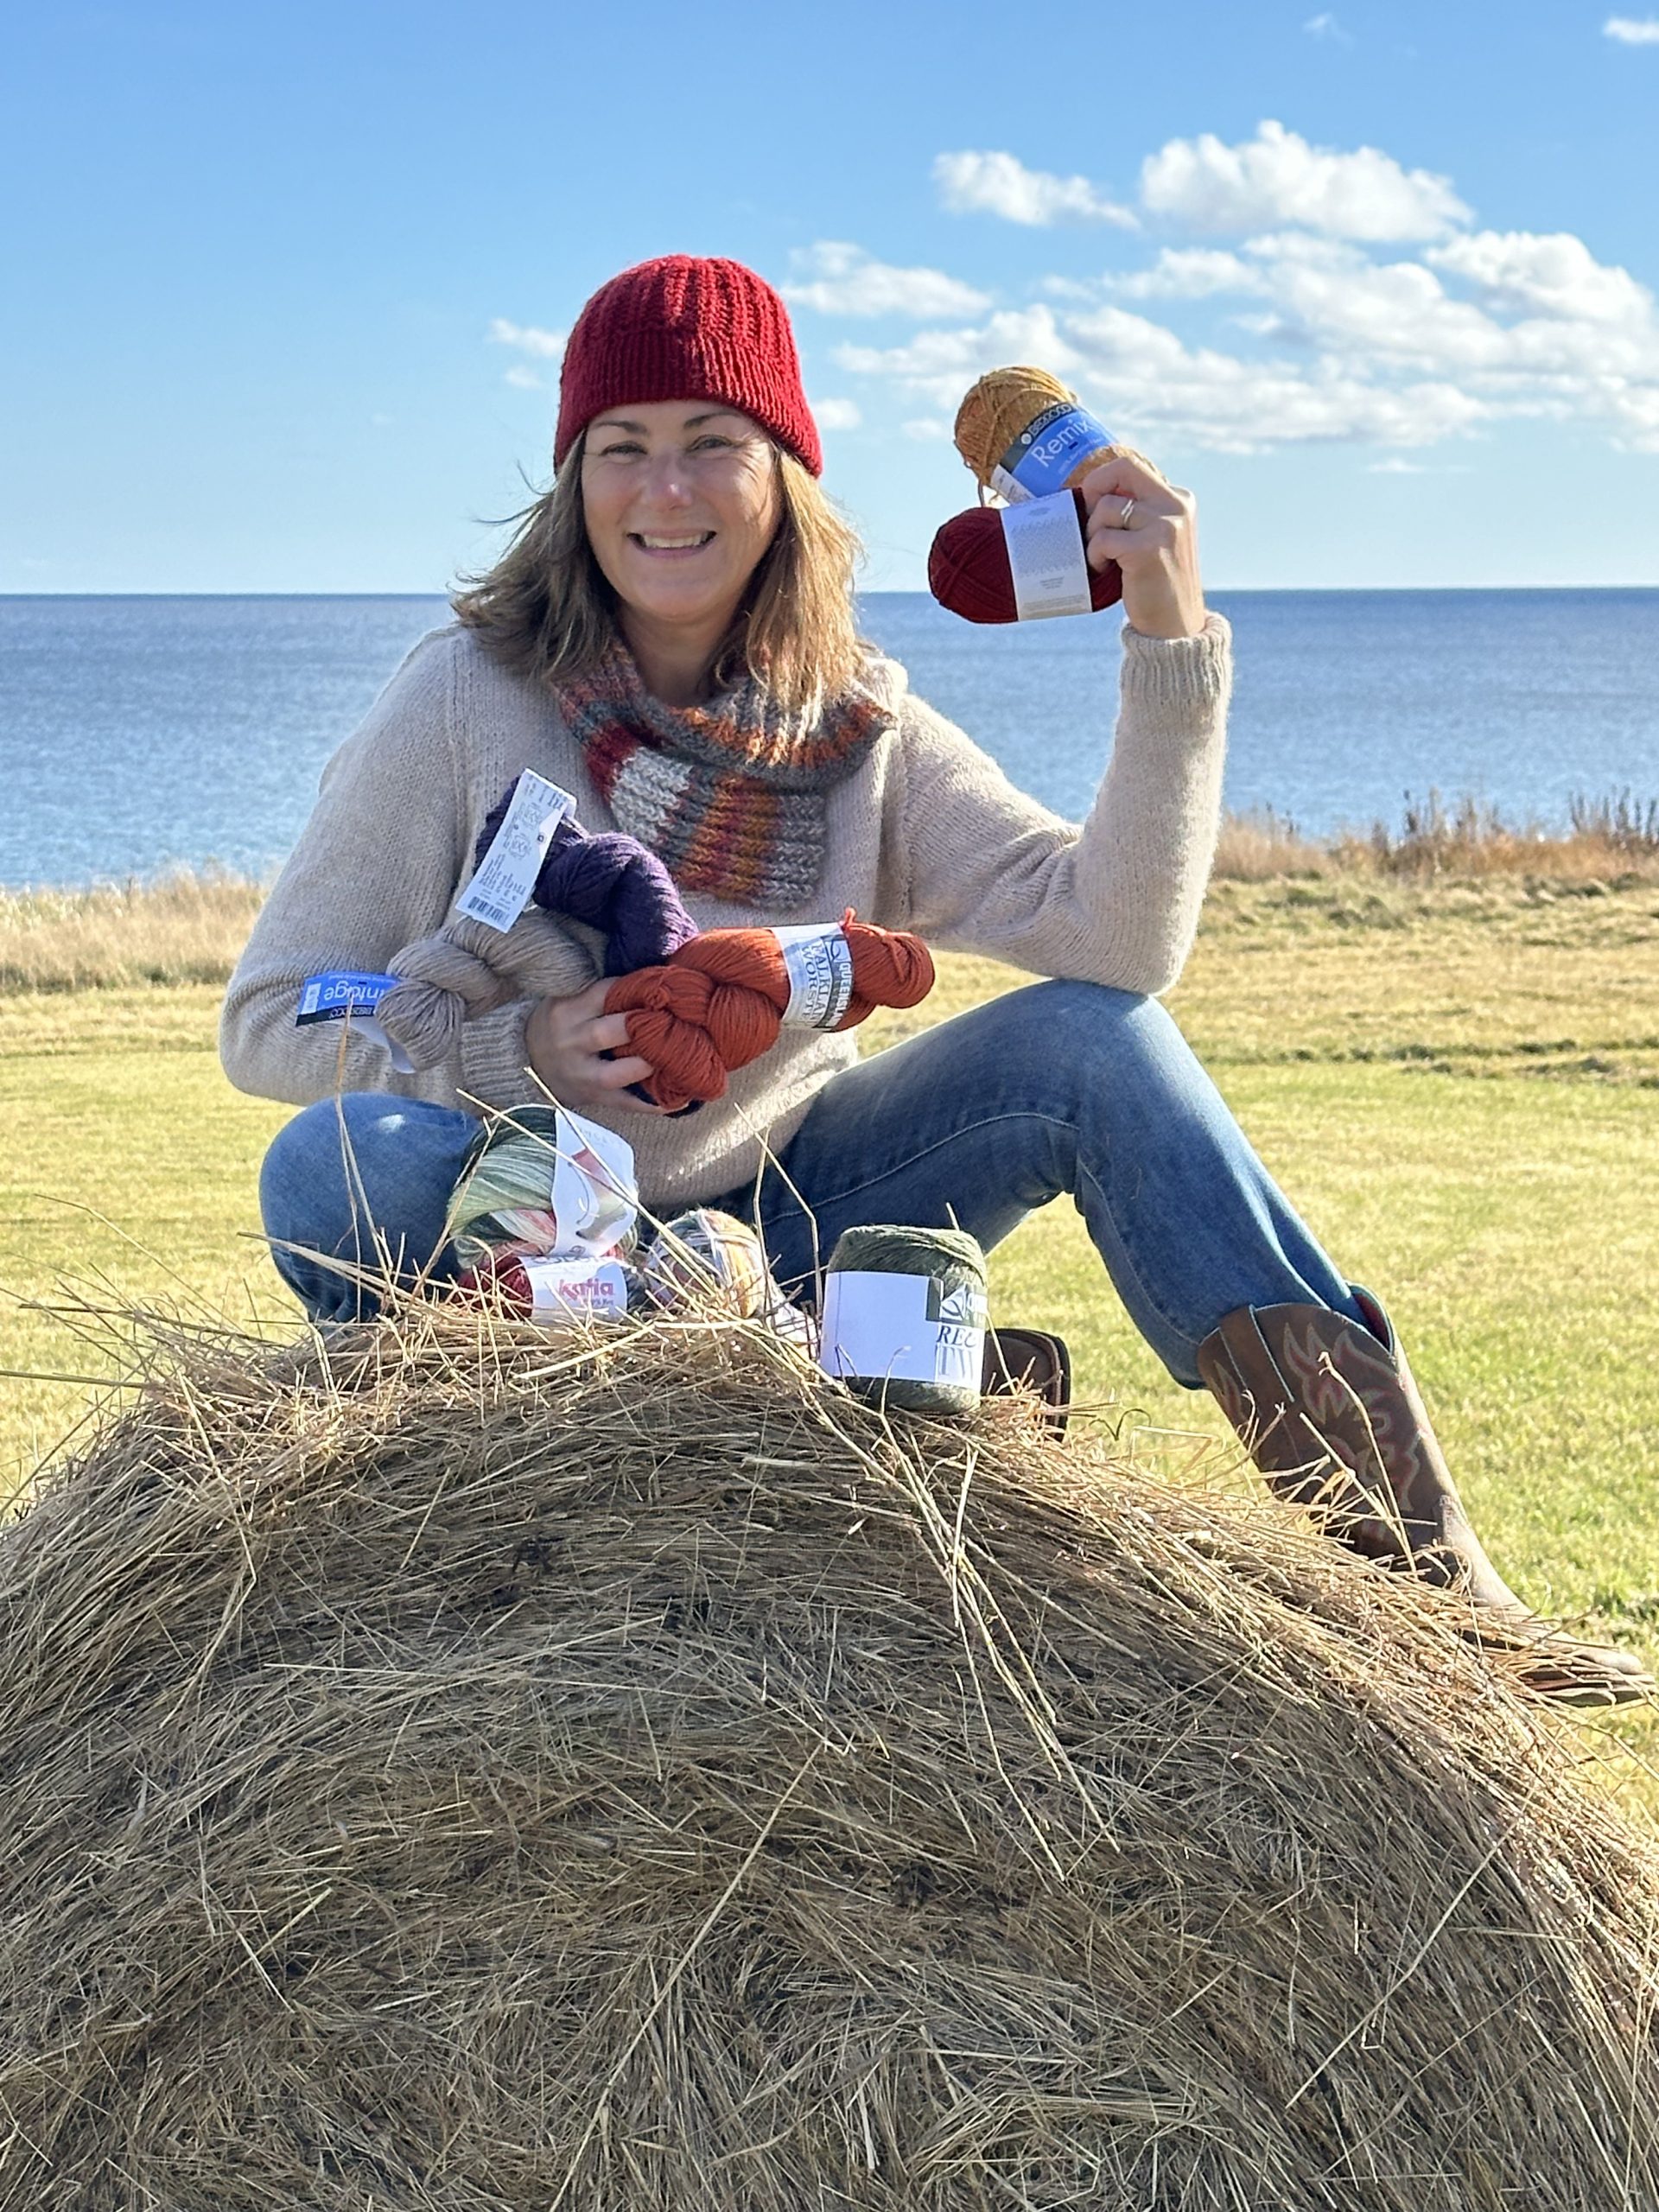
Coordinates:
x,y
1163,595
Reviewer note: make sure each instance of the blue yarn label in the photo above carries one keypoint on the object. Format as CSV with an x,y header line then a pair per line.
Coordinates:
x,y
1045,557
1047,451
351,994
504,878
902,1329
819,962
339,993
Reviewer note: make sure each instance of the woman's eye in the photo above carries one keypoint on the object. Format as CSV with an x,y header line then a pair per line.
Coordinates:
x,y
621,450
712,443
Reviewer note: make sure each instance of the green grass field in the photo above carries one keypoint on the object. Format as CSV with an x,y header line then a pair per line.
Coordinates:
x,y
1458,1083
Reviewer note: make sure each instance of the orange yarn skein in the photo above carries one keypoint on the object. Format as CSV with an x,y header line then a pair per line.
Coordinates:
x,y
719,1001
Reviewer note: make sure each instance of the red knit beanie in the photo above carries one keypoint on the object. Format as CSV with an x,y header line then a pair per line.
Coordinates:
x,y
682,328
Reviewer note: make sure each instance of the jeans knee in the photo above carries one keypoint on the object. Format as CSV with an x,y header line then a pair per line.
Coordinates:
x,y
361,1151
1096,1023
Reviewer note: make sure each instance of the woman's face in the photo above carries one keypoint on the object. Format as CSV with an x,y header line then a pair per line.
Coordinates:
x,y
680,500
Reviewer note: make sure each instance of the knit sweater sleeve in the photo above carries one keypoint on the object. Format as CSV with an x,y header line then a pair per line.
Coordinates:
x,y
386,848
988,869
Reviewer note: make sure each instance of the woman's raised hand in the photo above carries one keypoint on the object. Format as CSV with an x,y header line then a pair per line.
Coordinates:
x,y
1158,551
567,1039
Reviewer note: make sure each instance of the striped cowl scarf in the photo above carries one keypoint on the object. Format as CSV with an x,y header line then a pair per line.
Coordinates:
x,y
731,795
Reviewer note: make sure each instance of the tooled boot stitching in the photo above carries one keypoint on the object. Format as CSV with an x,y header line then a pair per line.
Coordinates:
x,y
1384,1495
1313,1469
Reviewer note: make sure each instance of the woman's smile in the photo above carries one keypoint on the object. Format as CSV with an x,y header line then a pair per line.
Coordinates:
x,y
650,542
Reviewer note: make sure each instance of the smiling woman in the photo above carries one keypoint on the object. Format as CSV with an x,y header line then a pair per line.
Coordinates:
x,y
669,637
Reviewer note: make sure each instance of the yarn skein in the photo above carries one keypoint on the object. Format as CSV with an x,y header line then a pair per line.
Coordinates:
x,y
500,1210
503,1196
707,1262
611,882
466,968
1002,408
1024,434
720,1002
953,1267
969,572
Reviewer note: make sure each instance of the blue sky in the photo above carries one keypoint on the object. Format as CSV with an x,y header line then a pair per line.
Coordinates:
x,y
284,301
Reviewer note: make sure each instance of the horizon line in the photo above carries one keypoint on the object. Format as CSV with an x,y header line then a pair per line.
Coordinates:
x,y
1309,591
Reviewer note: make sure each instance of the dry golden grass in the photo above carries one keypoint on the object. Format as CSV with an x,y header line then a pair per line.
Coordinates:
x,y
185,928
474,1766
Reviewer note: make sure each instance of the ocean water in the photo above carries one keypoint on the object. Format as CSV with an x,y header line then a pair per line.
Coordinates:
x,y
137,732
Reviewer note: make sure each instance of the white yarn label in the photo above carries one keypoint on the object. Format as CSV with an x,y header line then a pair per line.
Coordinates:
x,y
1045,557
902,1329
564,1290
819,964
595,1195
504,878
351,994
1047,450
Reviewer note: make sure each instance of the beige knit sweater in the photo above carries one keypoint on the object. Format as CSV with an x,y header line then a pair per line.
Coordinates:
x,y
928,835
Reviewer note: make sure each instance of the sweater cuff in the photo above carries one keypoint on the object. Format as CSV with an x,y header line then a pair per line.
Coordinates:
x,y
1180,679
495,1059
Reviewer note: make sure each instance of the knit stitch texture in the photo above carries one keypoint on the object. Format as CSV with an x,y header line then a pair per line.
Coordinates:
x,y
926,834
687,328
733,795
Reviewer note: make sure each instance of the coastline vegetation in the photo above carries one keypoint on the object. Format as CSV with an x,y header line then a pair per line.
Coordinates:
x,y
187,925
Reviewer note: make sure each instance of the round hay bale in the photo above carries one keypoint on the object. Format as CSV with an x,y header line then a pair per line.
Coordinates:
x,y
465,1769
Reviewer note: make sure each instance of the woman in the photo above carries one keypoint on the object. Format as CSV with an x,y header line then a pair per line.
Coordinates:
x,y
670,639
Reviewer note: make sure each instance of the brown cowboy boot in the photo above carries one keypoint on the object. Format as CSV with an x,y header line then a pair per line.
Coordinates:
x,y
1029,1359
1329,1412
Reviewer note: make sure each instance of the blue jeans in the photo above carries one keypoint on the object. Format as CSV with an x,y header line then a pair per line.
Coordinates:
x,y
1060,1087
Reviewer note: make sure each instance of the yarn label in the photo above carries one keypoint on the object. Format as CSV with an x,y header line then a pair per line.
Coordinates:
x,y
504,878
351,994
902,1329
575,1290
595,1195
1047,451
819,964
1045,557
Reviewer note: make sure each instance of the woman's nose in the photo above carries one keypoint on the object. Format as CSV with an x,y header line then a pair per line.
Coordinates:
x,y
667,479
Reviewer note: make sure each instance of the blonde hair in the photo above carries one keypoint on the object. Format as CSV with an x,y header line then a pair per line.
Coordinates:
x,y
546,610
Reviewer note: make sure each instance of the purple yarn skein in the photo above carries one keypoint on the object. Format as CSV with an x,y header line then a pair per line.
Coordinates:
x,y
613,883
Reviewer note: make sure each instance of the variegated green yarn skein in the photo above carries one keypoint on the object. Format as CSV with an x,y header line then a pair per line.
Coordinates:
x,y
948,1257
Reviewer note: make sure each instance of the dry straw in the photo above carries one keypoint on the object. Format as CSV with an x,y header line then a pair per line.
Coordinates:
x,y
463,1768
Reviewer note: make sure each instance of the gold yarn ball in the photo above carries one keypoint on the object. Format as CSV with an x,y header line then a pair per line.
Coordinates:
x,y
1000,406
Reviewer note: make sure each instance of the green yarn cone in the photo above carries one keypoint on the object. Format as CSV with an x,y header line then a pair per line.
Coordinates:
x,y
947,1258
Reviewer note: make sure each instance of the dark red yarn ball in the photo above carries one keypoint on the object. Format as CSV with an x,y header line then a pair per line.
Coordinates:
x,y
968,568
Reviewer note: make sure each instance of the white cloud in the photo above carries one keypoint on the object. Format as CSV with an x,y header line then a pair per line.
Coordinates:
x,y
1001,184
523,378
940,365
1277,177
1325,25
1189,273
836,414
545,344
1355,306
1630,30
1149,383
1393,466
836,278
1549,273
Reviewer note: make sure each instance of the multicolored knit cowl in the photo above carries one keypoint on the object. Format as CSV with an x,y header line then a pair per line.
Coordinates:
x,y
732,794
